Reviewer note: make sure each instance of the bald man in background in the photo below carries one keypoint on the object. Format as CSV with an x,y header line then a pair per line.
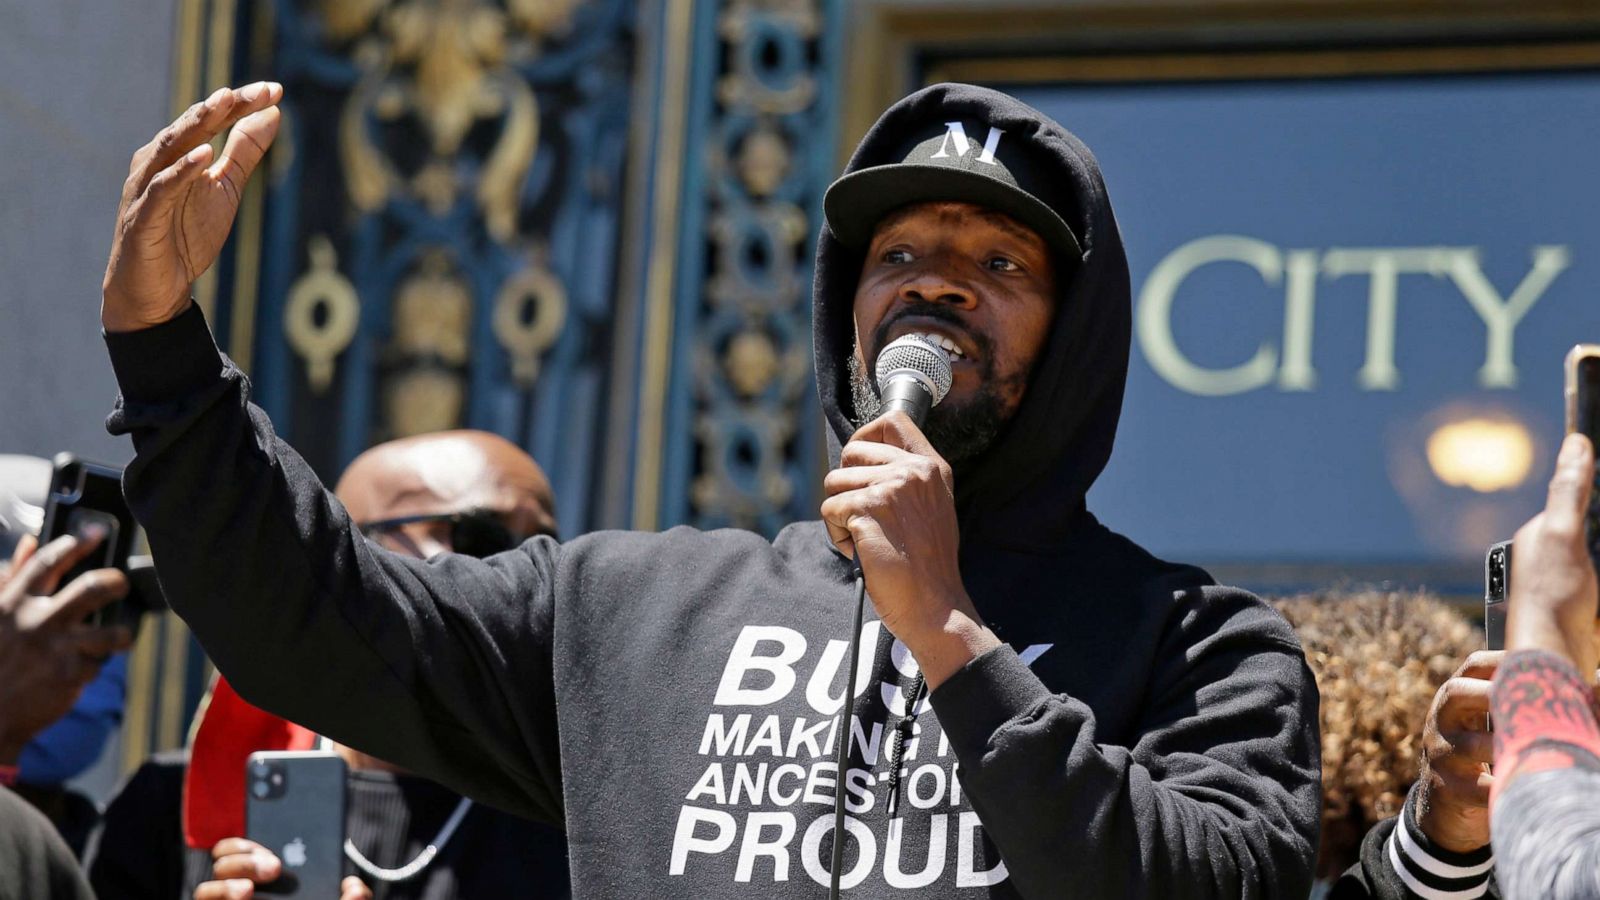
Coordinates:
x,y
451,492
431,478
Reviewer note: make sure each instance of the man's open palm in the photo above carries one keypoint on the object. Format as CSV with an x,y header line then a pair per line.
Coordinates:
x,y
178,205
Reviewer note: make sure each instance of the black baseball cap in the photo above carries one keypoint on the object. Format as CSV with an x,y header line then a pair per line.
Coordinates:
x,y
960,161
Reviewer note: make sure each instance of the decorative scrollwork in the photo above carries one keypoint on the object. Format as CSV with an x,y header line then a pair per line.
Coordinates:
x,y
754,424
432,342
438,69
433,313
768,45
763,161
322,314
758,251
467,157
751,362
528,315
479,193
424,400
730,483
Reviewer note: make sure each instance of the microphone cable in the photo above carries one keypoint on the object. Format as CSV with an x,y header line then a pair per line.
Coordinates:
x,y
842,754
913,376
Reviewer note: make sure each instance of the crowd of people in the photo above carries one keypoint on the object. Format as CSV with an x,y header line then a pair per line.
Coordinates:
x,y
1042,708
173,830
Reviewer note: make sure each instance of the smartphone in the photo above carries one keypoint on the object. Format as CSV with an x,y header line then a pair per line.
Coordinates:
x,y
1496,589
1583,417
83,495
294,806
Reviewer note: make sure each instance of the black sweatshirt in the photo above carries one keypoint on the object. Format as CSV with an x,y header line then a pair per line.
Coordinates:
x,y
139,852
671,697
35,863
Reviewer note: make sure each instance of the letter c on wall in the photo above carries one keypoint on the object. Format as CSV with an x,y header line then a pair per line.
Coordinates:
x,y
1153,316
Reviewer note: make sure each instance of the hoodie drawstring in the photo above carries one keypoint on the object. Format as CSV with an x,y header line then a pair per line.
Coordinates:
x,y
902,734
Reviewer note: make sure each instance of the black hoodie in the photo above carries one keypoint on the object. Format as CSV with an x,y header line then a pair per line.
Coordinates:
x,y
671,697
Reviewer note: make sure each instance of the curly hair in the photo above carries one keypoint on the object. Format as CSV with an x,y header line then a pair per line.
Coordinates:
x,y
1378,658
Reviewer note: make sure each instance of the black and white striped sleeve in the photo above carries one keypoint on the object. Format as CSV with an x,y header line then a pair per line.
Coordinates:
x,y
1398,862
1433,873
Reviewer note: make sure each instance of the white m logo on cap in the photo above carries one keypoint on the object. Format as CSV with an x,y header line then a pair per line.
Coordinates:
x,y
954,131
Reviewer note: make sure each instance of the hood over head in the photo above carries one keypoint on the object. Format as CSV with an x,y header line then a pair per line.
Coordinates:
x,y
1028,488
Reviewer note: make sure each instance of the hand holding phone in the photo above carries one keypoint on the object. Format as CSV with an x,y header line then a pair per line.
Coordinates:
x,y
1583,417
1554,594
47,653
295,807
239,859
87,497
1554,591
1496,590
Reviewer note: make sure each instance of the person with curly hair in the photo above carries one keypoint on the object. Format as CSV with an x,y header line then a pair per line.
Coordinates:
x,y
1384,661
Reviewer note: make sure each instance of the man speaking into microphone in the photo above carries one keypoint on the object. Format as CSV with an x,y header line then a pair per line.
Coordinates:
x,y
1042,708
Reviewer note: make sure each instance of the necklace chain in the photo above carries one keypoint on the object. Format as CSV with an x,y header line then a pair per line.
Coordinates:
x,y
413,868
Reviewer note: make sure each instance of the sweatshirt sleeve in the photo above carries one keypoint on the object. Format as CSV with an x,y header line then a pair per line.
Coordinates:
x,y
1543,816
1398,862
441,667
1217,797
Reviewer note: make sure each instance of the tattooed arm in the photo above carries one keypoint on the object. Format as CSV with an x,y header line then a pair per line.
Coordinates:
x,y
1545,803
1546,822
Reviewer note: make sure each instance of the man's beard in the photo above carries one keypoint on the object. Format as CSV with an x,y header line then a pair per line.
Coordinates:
x,y
959,433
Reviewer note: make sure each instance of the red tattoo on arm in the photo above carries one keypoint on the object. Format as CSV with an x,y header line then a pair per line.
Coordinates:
x,y
1544,717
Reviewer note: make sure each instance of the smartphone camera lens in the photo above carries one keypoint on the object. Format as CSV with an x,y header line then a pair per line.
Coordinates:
x,y
266,780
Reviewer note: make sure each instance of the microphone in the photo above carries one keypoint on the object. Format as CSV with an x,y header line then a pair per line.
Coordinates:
x,y
913,376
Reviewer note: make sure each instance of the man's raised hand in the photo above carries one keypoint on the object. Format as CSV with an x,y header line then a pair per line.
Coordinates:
x,y
178,204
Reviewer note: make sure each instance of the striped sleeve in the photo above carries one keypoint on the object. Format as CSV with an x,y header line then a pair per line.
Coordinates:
x,y
1430,872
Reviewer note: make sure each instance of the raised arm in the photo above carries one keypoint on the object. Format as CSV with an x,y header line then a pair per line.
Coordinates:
x,y
403,659
1545,805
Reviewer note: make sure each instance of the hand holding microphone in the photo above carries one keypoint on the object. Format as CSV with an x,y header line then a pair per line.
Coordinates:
x,y
891,505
